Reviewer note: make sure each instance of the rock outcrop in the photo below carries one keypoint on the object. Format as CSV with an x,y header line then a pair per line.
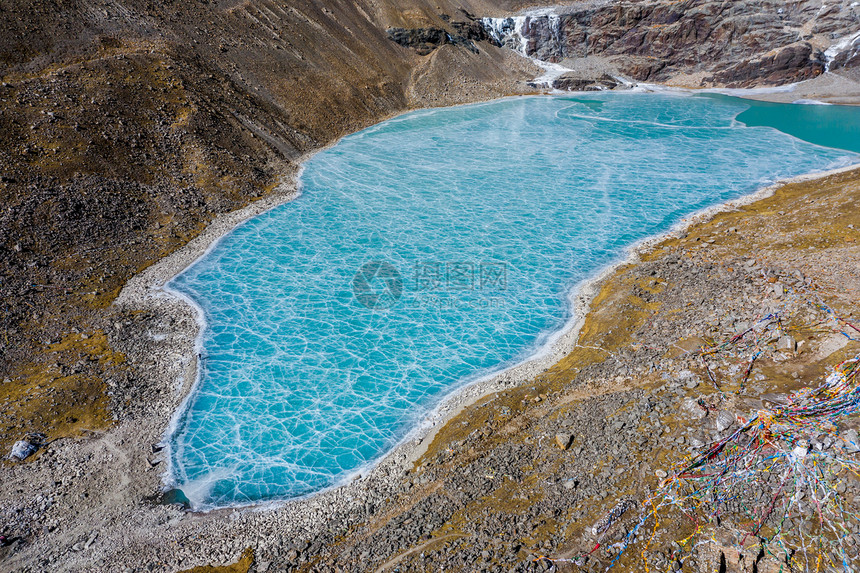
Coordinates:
x,y
845,54
425,40
793,63
579,83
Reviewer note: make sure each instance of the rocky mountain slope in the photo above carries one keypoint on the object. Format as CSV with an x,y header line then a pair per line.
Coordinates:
x,y
128,126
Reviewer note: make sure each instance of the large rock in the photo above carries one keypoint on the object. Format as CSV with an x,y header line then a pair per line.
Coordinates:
x,y
847,55
576,83
22,449
425,40
786,343
724,420
564,440
791,64
852,441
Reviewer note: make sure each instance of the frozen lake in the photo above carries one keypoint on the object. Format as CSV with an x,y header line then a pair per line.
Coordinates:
x,y
426,252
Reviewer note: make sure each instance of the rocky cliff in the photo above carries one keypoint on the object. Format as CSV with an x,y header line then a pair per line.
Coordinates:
x,y
696,42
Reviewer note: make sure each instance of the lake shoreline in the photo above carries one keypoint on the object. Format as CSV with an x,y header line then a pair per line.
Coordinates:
x,y
151,283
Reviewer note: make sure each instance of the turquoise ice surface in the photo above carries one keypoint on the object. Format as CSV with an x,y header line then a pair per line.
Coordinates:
x,y
829,125
424,253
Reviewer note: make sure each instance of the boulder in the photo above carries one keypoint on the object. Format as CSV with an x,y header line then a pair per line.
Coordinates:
x,y
576,83
564,440
23,449
786,343
852,441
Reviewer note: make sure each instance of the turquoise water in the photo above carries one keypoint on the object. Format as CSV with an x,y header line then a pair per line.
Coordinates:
x,y
830,125
425,252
